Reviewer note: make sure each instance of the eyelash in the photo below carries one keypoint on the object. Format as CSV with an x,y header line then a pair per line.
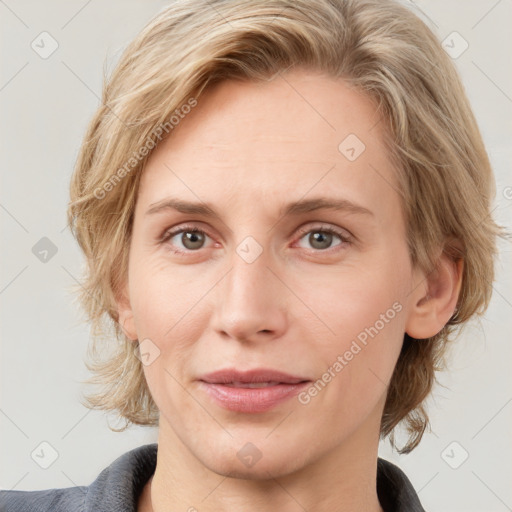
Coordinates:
x,y
343,236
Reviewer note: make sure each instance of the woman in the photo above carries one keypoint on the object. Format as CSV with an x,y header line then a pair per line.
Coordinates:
x,y
285,210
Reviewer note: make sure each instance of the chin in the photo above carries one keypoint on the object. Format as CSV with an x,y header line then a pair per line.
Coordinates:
x,y
252,463
260,471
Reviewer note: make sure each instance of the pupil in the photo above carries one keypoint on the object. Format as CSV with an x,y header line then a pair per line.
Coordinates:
x,y
323,239
193,238
319,237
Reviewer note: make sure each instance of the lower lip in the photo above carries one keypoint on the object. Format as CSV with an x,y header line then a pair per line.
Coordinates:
x,y
251,399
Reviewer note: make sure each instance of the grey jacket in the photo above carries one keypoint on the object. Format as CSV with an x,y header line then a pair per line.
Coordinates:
x,y
118,487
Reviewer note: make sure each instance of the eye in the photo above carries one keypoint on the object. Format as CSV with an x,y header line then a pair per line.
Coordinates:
x,y
192,239
321,237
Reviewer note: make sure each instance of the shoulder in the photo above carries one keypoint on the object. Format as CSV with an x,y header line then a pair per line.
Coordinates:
x,y
56,500
116,488
396,492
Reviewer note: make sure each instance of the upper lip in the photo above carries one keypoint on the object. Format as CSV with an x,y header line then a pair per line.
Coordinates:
x,y
257,375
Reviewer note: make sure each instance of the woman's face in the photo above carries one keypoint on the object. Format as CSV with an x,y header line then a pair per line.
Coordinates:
x,y
322,294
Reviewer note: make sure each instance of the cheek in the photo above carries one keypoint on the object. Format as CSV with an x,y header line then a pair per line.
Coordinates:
x,y
164,298
364,316
169,311
352,301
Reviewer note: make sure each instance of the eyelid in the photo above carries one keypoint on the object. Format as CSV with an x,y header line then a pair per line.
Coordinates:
x,y
172,232
345,236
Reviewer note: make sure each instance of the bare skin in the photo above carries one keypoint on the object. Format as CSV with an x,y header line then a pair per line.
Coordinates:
x,y
248,149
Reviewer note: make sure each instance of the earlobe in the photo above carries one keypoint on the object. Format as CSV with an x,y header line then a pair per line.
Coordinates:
x,y
125,315
436,300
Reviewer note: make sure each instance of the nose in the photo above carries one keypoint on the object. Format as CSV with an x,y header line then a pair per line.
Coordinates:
x,y
251,302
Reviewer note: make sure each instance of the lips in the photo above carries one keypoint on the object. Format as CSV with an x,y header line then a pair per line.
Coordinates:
x,y
253,391
257,376
251,385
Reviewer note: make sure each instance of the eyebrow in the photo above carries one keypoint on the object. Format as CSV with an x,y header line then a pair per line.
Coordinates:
x,y
290,209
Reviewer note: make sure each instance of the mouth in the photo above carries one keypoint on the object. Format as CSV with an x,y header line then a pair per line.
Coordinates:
x,y
253,391
252,385
263,376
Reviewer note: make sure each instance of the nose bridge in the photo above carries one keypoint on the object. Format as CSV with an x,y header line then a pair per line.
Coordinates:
x,y
249,300
250,277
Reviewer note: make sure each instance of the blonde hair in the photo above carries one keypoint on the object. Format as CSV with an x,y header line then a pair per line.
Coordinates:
x,y
380,47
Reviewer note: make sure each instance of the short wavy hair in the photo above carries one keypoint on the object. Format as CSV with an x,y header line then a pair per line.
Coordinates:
x,y
381,48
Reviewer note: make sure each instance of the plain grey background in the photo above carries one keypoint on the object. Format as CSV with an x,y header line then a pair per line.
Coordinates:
x,y
465,464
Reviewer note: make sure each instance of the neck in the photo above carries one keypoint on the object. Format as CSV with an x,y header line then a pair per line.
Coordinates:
x,y
344,479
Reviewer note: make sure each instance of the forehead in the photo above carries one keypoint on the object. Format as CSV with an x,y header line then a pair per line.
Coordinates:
x,y
300,132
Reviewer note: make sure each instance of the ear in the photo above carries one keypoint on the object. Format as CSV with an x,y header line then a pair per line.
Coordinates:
x,y
125,314
435,299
